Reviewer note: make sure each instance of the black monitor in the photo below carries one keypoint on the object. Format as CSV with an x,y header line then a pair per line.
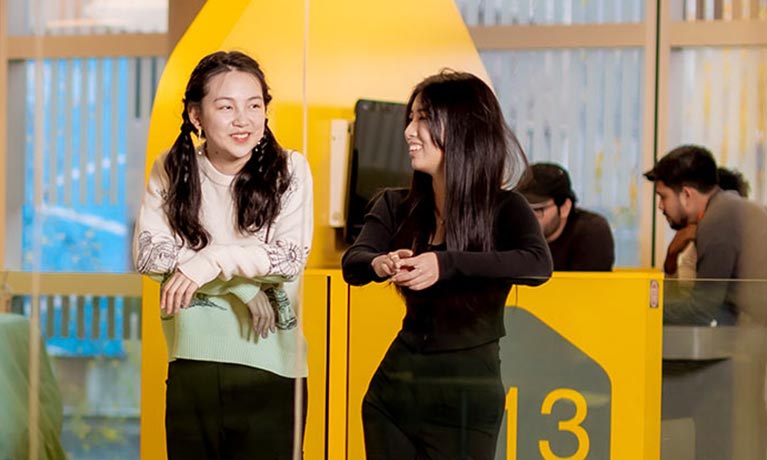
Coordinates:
x,y
379,158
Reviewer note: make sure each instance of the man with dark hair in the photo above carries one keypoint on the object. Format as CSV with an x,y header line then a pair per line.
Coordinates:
x,y
681,256
730,239
579,240
730,289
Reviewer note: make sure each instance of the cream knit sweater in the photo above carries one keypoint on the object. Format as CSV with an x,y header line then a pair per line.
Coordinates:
x,y
231,271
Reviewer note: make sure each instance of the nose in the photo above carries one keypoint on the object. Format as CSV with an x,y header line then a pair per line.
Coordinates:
x,y
239,118
410,131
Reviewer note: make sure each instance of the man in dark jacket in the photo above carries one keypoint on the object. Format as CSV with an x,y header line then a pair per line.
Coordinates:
x,y
579,240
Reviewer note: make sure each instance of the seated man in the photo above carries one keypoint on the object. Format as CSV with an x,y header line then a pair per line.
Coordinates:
x,y
681,256
579,240
729,239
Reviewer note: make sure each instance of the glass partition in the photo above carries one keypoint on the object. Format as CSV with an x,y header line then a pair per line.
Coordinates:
x,y
75,161
564,12
586,360
580,352
714,351
717,98
87,17
582,108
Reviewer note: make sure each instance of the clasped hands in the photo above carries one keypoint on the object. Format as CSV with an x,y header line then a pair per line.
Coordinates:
x,y
407,270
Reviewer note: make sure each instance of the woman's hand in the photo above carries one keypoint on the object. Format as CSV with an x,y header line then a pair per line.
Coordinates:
x,y
387,265
417,273
263,314
176,293
681,239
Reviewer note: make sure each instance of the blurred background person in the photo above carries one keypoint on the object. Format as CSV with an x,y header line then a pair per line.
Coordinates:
x,y
579,240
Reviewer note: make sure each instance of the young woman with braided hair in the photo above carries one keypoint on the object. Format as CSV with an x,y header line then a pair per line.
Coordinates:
x,y
226,226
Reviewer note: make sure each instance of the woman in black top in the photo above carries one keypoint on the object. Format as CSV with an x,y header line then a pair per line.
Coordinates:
x,y
453,244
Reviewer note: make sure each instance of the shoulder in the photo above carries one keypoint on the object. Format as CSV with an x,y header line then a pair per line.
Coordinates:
x,y
297,163
159,160
511,199
394,196
157,172
727,213
721,212
388,200
513,214
589,223
589,218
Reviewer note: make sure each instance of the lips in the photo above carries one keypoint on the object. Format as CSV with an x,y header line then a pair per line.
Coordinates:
x,y
240,137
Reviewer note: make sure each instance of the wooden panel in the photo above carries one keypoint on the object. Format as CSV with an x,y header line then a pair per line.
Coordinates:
x,y
28,47
741,32
573,36
3,122
75,283
181,13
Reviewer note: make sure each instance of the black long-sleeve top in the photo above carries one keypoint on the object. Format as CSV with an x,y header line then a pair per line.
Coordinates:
x,y
464,308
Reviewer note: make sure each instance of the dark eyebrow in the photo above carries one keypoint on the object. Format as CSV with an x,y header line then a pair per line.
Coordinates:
x,y
227,98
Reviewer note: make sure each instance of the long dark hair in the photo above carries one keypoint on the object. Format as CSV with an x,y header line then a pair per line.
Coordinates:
x,y
257,188
480,151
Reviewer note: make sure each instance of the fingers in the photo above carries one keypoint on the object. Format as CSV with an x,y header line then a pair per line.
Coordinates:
x,y
267,320
387,265
264,319
259,323
168,294
415,279
190,287
418,273
176,293
403,253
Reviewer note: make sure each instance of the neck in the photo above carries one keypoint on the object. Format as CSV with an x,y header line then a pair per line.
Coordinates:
x,y
438,186
223,163
558,231
703,200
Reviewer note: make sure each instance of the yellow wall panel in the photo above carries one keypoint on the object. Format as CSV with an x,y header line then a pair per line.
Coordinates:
x,y
605,318
314,318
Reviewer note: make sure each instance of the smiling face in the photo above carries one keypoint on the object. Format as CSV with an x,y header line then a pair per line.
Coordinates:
x,y
232,115
425,155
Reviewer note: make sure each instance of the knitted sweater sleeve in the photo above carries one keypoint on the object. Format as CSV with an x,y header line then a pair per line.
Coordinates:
x,y
157,252
282,257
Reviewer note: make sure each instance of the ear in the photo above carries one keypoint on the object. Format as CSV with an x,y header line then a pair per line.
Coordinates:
x,y
567,206
686,194
194,116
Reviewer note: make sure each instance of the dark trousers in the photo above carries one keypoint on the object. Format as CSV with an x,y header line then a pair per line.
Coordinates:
x,y
228,411
445,405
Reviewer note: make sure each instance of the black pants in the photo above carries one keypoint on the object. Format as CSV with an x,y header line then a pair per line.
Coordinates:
x,y
226,411
446,405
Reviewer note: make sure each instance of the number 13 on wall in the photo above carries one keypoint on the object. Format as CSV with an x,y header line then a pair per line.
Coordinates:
x,y
571,425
